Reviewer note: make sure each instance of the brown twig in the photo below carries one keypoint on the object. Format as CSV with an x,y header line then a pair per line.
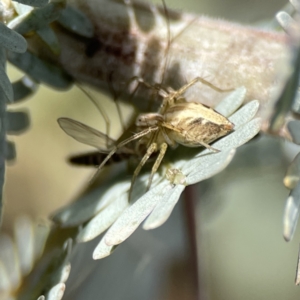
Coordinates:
x,y
130,40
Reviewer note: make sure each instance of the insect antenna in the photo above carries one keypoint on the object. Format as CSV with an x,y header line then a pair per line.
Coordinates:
x,y
100,109
170,39
166,12
159,87
115,97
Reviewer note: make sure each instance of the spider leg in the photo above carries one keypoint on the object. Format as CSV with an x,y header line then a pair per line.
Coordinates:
x,y
162,152
209,147
151,149
140,81
198,141
156,86
170,126
120,145
195,80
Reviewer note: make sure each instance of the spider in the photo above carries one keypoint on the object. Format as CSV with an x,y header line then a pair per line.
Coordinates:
x,y
190,124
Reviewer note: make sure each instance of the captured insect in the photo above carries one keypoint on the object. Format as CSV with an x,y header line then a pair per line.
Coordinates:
x,y
101,141
94,158
92,137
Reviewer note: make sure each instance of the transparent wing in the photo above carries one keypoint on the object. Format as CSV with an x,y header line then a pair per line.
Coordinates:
x,y
86,134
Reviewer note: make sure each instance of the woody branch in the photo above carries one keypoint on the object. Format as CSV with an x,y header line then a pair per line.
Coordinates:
x,y
132,40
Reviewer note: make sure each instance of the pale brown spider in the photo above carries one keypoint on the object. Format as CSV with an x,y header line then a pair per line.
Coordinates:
x,y
190,124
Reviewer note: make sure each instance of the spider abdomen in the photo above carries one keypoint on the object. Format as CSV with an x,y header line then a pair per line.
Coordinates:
x,y
191,124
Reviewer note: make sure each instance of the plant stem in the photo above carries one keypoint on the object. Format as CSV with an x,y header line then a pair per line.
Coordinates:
x,y
189,205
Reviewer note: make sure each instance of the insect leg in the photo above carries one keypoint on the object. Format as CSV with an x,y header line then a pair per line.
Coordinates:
x,y
151,149
162,152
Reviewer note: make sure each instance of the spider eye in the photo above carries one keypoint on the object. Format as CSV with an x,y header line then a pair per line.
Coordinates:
x,y
140,121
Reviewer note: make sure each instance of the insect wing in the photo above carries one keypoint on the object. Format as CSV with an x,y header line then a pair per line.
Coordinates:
x,y
86,134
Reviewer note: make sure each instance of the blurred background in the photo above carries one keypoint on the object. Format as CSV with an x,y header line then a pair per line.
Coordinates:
x,y
241,251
